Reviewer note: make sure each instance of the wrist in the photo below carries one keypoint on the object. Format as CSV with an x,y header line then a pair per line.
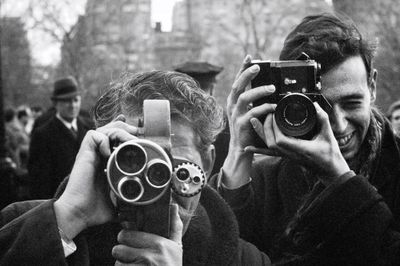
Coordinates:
x,y
236,168
70,220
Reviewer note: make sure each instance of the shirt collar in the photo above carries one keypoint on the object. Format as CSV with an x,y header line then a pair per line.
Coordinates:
x,y
69,125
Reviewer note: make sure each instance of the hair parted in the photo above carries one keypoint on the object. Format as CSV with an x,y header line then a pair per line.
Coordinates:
x,y
188,103
329,39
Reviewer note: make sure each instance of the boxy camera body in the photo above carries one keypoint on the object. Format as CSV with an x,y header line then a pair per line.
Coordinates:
x,y
139,173
142,175
297,86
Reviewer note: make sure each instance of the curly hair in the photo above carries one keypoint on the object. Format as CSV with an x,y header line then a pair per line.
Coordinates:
x,y
188,103
329,39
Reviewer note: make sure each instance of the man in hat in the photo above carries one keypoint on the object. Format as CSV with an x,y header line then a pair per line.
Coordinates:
x,y
205,74
55,144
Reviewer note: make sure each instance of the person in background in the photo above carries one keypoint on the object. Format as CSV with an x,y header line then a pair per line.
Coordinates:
x,y
206,75
55,144
394,116
17,140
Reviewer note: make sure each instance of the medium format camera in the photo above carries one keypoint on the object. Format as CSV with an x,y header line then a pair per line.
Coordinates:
x,y
142,175
297,86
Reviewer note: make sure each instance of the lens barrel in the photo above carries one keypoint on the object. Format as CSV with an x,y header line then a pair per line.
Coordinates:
x,y
295,115
130,189
158,173
131,159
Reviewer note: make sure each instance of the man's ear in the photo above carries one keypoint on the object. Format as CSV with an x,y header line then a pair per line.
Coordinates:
x,y
208,159
372,84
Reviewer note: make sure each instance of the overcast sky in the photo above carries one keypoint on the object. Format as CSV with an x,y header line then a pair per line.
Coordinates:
x,y
46,51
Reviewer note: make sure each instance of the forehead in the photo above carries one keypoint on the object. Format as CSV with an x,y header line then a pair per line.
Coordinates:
x,y
67,100
349,79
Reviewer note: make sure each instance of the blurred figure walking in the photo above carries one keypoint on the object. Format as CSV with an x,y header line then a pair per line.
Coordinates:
x,y
394,116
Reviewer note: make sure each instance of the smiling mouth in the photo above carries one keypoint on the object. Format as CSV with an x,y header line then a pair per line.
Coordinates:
x,y
344,140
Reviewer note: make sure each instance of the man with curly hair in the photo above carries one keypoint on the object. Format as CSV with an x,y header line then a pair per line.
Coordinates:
x,y
80,226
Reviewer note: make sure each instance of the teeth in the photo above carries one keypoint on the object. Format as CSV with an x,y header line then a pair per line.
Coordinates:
x,y
343,141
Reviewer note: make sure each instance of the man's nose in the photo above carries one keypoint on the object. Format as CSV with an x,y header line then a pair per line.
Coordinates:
x,y
338,119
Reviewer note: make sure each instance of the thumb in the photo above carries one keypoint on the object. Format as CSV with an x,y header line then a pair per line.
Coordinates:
x,y
323,120
176,224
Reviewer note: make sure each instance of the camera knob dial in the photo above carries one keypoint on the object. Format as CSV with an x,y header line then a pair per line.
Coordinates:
x,y
188,179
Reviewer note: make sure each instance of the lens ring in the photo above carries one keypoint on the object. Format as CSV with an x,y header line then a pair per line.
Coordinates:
x,y
295,126
182,175
166,171
126,184
196,179
130,159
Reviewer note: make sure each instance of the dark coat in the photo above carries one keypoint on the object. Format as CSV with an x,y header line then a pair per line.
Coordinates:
x,y
287,214
29,236
52,154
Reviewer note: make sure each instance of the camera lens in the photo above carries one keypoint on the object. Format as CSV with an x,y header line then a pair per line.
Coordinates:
x,y
196,179
130,189
158,173
296,116
131,159
182,174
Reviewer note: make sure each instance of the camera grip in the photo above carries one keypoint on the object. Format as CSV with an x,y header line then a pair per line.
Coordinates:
x,y
154,218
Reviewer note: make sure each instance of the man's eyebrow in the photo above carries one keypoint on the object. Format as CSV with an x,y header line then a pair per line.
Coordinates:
x,y
353,96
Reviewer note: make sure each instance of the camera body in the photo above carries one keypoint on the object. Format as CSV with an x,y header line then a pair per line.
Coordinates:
x,y
297,86
142,175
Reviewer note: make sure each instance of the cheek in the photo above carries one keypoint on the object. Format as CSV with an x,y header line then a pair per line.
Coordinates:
x,y
361,121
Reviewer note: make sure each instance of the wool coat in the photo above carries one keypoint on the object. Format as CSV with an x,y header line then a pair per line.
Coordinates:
x,y
29,236
52,154
296,220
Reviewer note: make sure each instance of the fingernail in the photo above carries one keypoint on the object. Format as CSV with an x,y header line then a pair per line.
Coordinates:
x,y
253,122
247,59
270,88
254,68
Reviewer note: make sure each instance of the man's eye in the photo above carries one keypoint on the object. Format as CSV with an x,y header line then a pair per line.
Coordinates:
x,y
352,104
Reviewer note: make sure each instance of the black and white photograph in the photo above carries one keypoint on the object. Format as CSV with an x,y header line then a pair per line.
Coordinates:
x,y
199,132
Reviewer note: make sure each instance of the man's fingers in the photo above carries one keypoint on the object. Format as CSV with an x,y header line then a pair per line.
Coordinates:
x,y
176,224
265,151
120,123
260,110
95,141
245,64
252,95
258,127
126,254
323,120
117,134
269,132
242,82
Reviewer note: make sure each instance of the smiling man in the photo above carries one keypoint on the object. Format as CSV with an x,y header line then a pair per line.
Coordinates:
x,y
81,226
323,201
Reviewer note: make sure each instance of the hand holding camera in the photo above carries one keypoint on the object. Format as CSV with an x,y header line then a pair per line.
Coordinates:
x,y
85,201
306,134
140,177
299,128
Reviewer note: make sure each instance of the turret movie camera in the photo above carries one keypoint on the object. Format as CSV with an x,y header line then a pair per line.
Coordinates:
x,y
142,175
297,86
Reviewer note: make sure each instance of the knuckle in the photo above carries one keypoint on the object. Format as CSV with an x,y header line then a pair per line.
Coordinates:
x,y
161,245
121,236
242,98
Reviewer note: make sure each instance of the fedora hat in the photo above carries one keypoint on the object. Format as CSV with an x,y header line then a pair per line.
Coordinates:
x,y
65,88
